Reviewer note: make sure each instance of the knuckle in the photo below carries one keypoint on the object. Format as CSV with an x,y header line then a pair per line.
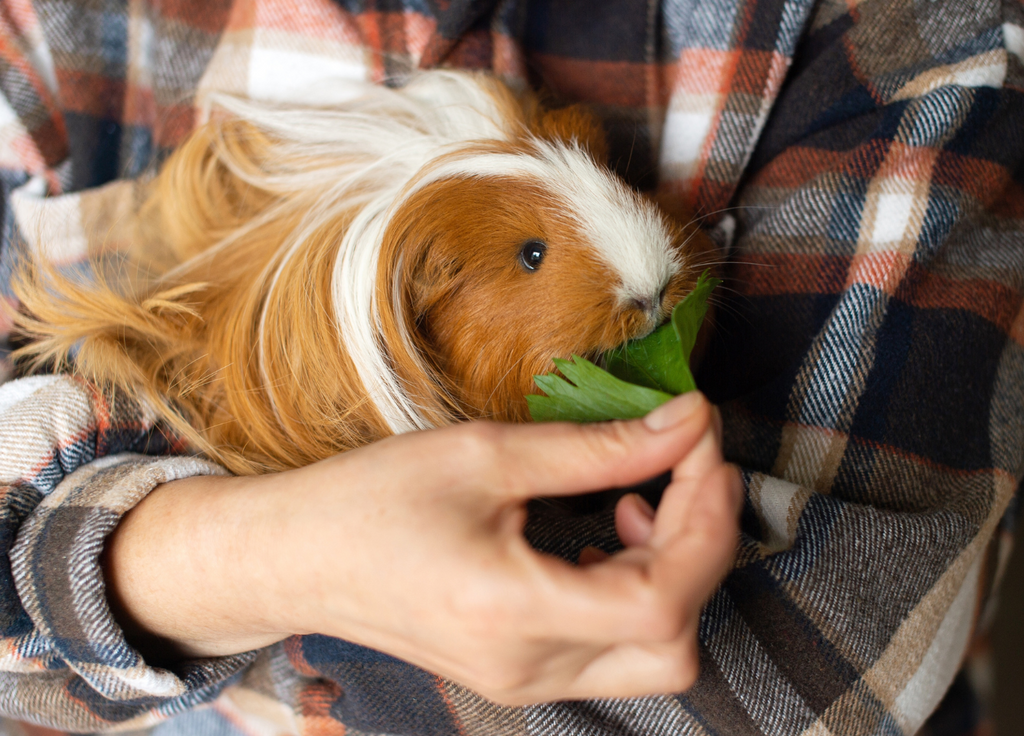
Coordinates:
x,y
484,451
476,444
663,620
609,440
503,681
666,627
491,606
483,612
685,671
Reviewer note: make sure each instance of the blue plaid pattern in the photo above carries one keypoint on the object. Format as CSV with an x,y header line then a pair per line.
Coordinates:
x,y
868,359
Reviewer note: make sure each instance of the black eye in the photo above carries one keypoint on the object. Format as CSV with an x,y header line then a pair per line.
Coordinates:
x,y
531,254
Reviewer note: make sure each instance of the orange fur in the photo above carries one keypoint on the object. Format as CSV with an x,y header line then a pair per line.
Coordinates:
x,y
257,376
487,326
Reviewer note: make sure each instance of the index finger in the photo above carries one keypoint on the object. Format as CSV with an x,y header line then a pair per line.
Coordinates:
x,y
560,458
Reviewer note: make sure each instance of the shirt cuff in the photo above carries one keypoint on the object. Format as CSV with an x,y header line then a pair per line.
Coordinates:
x,y
57,573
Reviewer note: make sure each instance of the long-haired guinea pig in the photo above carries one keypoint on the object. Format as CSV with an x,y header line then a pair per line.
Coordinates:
x,y
332,276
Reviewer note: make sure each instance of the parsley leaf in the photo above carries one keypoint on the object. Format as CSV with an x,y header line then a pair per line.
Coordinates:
x,y
640,375
593,395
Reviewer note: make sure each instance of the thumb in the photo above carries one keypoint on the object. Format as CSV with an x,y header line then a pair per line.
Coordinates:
x,y
566,459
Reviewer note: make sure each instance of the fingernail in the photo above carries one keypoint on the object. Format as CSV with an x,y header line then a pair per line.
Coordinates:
x,y
645,508
673,412
591,555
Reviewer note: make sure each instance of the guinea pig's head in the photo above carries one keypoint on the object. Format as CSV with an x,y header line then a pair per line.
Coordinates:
x,y
498,261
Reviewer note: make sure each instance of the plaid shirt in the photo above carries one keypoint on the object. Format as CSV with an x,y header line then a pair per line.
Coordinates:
x,y
869,357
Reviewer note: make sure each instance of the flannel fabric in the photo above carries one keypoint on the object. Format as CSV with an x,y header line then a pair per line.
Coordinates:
x,y
53,425
869,354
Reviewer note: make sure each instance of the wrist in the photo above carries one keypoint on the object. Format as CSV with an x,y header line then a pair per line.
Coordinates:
x,y
300,558
187,573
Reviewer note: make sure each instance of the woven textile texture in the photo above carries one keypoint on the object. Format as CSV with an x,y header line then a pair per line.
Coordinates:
x,y
866,159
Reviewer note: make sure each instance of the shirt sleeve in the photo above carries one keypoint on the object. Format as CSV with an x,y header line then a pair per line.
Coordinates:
x,y
72,461
69,469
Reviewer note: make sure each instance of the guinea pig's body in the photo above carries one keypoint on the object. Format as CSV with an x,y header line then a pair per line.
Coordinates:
x,y
333,276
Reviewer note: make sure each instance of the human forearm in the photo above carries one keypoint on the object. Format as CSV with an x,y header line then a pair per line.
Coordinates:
x,y
414,546
185,571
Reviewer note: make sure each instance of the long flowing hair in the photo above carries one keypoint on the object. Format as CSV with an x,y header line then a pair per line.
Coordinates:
x,y
257,321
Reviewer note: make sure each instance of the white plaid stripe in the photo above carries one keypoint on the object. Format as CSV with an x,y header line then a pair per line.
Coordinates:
x,y
724,128
766,693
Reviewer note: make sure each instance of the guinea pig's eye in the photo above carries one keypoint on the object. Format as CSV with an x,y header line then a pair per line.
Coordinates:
x,y
531,254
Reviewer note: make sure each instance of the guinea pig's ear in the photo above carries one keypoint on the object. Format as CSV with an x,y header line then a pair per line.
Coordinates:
x,y
574,123
431,279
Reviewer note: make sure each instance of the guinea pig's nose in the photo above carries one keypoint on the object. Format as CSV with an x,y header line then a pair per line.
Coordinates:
x,y
649,305
646,304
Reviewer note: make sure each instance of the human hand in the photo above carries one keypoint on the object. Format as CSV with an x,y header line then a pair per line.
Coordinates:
x,y
414,546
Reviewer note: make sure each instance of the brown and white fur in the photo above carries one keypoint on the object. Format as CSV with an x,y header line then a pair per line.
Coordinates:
x,y
326,277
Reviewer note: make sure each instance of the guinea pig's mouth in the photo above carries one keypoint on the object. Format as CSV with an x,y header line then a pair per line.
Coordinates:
x,y
651,327
597,356
646,328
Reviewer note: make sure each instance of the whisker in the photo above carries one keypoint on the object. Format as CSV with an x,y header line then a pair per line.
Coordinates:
x,y
732,208
501,380
707,264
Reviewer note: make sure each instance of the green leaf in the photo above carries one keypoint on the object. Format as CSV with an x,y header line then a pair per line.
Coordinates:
x,y
641,375
688,315
655,361
662,359
589,395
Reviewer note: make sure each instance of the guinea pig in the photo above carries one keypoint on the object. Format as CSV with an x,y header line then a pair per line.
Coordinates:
x,y
323,277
